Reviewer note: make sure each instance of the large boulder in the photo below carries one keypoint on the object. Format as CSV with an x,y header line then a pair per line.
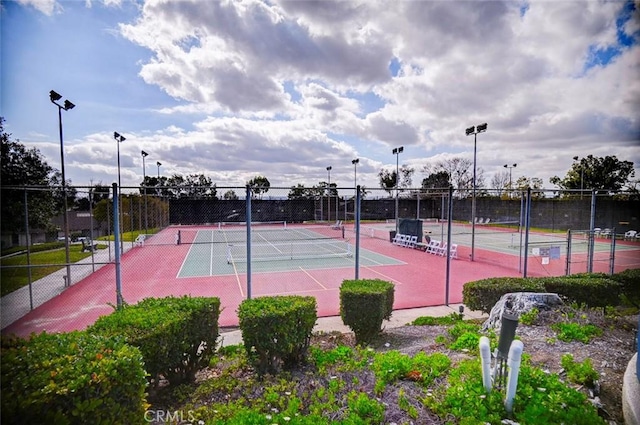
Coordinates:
x,y
516,303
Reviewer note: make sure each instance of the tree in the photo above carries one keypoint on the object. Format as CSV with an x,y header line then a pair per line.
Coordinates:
x,y
607,174
460,172
388,178
259,185
230,195
193,186
500,182
535,183
24,167
439,180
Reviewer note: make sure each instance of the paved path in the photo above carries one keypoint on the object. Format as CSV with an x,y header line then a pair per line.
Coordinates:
x,y
16,304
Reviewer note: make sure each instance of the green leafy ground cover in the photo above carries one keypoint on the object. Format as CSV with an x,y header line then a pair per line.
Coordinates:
x,y
426,374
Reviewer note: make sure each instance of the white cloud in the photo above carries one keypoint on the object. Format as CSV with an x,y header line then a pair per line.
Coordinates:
x,y
48,7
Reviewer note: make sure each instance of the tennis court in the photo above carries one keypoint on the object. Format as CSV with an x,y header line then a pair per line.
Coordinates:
x,y
275,248
305,259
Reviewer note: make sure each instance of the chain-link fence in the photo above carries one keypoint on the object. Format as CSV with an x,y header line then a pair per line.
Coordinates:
x,y
231,234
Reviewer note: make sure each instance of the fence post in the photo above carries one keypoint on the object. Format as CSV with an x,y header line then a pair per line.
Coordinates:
x,y
567,267
612,255
591,243
248,219
449,215
28,236
357,230
527,224
116,235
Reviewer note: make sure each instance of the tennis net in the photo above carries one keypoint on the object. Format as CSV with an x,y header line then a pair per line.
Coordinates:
x,y
292,250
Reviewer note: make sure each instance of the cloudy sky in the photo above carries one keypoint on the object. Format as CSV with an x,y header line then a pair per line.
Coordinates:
x,y
235,89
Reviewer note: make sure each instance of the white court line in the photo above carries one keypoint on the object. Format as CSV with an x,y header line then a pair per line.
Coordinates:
x,y
314,279
235,269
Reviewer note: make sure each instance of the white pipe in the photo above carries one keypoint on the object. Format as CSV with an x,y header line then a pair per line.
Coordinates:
x,y
515,356
485,355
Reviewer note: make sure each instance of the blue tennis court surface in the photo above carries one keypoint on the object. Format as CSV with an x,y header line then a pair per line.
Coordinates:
x,y
220,252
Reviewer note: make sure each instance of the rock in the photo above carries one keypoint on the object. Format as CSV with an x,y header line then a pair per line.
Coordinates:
x,y
516,303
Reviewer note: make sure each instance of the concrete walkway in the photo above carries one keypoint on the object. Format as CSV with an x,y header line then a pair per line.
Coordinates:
x,y
15,305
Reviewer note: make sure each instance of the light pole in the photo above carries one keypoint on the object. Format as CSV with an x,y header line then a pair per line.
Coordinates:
x,y
575,158
481,128
144,191
396,152
55,97
158,164
119,139
510,167
355,184
329,193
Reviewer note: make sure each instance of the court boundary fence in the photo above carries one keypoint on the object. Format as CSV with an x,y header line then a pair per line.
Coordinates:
x,y
526,209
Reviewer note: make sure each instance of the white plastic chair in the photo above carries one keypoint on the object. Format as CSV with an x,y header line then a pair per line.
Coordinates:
x,y
454,250
442,249
631,234
411,242
432,248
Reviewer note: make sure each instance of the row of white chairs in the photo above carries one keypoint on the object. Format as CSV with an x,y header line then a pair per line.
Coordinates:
x,y
406,241
440,248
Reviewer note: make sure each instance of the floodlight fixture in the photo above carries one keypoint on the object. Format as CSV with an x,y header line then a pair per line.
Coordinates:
x,y
144,154
481,128
470,130
355,161
54,96
68,105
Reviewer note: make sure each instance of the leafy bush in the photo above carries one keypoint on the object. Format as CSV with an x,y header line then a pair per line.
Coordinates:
x,y
630,285
436,321
393,365
592,290
570,331
364,304
541,399
579,373
72,378
483,294
277,330
177,336
529,317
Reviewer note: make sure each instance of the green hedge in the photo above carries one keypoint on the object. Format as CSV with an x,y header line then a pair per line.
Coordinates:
x,y
590,289
630,285
364,304
176,335
483,294
72,378
276,331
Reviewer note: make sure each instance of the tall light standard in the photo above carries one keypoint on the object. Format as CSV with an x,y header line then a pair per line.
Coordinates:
x,y
481,128
158,164
396,152
510,167
329,193
55,97
575,158
355,184
119,139
144,191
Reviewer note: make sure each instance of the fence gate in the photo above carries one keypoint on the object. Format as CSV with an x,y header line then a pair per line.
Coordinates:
x,y
588,252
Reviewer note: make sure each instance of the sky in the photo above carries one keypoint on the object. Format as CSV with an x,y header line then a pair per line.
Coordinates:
x,y
284,89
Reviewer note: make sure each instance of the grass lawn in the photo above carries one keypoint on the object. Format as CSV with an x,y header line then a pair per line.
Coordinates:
x,y
14,278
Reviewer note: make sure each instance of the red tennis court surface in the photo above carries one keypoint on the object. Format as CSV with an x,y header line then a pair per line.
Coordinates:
x,y
152,270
